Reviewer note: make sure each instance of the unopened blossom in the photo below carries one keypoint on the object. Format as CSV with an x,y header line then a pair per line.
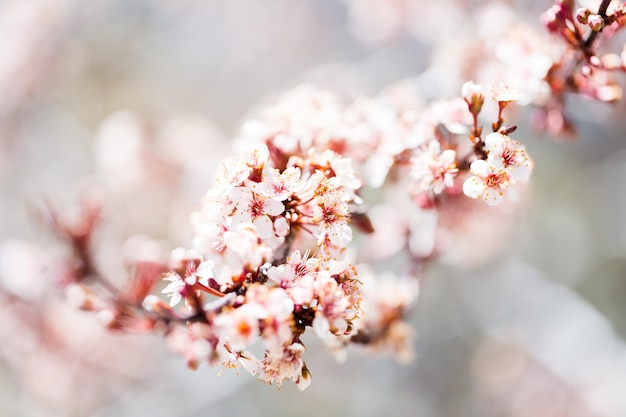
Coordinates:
x,y
434,169
488,182
582,14
471,90
473,95
595,22
508,154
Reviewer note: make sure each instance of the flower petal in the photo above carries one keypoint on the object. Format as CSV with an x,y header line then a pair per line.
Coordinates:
x,y
493,197
473,187
481,168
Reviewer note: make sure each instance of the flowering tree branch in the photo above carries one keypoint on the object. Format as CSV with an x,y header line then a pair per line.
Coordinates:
x,y
286,242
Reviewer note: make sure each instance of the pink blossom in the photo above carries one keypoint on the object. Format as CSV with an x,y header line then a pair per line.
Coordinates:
x,y
285,363
331,214
243,247
240,325
505,92
280,186
508,154
256,209
434,169
487,182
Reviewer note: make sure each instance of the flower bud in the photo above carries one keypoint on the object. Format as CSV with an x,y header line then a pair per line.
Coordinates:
x,y
595,22
473,95
582,15
470,89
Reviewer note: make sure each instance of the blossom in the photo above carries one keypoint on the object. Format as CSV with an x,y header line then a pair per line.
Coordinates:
x,y
336,309
256,209
277,320
189,272
470,91
508,154
174,288
256,156
233,173
433,169
283,363
505,92
296,277
487,182
332,216
473,96
240,325
232,358
243,247
280,186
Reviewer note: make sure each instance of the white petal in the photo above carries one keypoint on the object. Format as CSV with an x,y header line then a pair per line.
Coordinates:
x,y
241,195
448,156
495,140
473,187
340,235
495,160
205,269
304,381
176,297
281,226
493,196
520,172
480,167
273,207
263,226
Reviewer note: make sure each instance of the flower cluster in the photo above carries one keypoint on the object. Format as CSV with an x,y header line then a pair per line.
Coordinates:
x,y
329,212
262,205
270,254
506,162
581,68
243,281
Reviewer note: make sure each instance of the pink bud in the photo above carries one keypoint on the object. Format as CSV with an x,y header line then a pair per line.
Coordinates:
x,y
582,14
595,22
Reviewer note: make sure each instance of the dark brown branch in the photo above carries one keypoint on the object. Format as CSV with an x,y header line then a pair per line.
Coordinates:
x,y
602,12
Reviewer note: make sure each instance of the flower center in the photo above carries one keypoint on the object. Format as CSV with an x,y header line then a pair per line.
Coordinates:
x,y
496,179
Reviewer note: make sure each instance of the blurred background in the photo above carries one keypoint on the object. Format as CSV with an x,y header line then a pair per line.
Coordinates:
x,y
137,100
